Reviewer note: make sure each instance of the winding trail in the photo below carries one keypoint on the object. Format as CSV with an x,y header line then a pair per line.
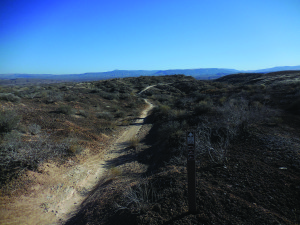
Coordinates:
x,y
59,190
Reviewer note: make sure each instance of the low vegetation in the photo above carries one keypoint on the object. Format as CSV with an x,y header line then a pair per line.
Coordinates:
x,y
247,145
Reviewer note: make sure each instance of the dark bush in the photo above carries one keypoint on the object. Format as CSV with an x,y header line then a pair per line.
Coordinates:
x,y
120,114
8,120
203,107
65,109
105,115
199,96
295,105
53,96
70,98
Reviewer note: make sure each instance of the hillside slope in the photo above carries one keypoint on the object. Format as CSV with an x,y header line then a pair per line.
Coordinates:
x,y
247,148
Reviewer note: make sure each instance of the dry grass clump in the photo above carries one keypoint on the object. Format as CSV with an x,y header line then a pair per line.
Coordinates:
x,y
203,107
114,172
134,142
137,198
125,123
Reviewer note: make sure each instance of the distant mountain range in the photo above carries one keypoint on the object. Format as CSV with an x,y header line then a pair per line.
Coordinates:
x,y
203,73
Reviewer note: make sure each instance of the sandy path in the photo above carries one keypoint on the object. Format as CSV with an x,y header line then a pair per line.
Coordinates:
x,y
59,190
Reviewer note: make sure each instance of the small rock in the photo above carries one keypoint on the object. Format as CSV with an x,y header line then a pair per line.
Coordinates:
x,y
282,168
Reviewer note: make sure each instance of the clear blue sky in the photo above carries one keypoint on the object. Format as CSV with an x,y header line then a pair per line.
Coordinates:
x,y
77,36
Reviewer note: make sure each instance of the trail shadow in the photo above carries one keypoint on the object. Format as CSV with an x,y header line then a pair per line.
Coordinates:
x,y
120,160
136,124
79,216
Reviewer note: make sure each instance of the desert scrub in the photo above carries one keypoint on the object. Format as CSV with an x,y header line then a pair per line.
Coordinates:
x,y
222,100
34,129
114,172
164,109
138,198
173,132
134,142
74,148
203,107
70,98
9,97
52,96
9,119
199,96
17,154
83,113
125,123
104,115
109,96
65,109
105,126
120,114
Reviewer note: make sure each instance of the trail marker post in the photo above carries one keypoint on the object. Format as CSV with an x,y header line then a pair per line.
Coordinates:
x,y
191,170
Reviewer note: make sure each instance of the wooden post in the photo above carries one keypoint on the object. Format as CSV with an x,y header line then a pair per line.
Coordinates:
x,y
191,170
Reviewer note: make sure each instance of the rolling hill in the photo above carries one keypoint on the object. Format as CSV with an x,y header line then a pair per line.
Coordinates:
x,y
200,74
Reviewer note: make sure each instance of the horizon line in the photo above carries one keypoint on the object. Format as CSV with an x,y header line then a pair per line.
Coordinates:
x,y
58,74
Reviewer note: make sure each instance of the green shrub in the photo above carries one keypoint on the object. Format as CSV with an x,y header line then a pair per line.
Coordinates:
x,y
9,97
65,109
74,149
53,96
203,107
104,115
164,109
109,96
124,96
120,114
70,98
222,100
8,120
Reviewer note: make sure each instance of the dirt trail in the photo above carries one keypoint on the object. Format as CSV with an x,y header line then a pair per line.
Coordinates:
x,y
58,191
152,86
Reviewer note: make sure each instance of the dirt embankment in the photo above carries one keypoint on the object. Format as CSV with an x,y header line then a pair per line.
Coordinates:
x,y
57,190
